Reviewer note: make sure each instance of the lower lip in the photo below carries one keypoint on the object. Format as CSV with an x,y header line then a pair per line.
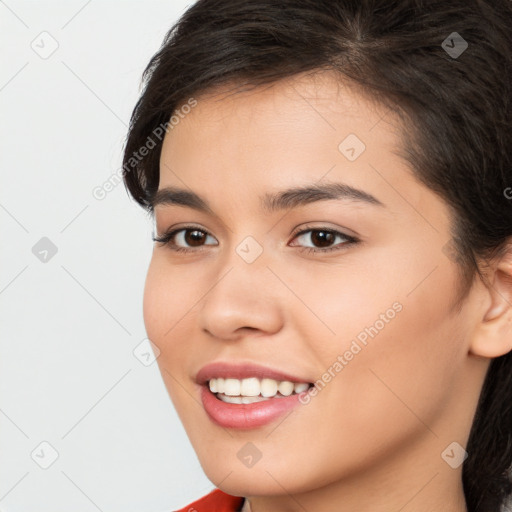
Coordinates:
x,y
246,416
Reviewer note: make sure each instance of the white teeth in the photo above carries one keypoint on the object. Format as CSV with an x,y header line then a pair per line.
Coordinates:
x,y
253,389
232,387
231,399
269,387
241,399
285,388
250,387
300,387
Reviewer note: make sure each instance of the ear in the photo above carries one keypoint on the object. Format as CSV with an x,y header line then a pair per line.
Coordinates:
x,y
493,335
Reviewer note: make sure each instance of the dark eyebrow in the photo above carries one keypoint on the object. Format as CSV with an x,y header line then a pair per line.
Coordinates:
x,y
270,202
300,196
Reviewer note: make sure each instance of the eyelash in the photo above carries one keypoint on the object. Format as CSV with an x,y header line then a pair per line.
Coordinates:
x,y
166,238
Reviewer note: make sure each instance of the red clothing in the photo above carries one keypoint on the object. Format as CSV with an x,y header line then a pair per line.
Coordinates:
x,y
215,501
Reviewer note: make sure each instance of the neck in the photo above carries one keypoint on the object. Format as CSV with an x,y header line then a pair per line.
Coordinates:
x,y
411,482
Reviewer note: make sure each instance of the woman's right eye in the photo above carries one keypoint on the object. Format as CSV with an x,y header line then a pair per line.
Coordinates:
x,y
196,236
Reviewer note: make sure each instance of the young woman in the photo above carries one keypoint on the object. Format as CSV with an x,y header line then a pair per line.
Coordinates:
x,y
331,284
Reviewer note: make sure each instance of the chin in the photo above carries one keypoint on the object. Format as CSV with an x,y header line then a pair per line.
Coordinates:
x,y
263,479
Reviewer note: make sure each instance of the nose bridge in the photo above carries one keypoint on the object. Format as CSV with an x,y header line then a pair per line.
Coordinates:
x,y
242,294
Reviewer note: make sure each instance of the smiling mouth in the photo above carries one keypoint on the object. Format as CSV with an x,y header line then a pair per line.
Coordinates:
x,y
251,390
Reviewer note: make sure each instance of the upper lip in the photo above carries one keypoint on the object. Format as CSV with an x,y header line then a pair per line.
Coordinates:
x,y
242,371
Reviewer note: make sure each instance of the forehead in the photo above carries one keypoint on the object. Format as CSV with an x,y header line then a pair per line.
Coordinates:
x,y
298,118
305,98
299,131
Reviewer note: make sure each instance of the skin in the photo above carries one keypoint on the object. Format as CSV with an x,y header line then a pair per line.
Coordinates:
x,y
372,438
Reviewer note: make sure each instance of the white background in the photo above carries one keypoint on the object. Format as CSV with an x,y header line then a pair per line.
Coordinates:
x,y
69,325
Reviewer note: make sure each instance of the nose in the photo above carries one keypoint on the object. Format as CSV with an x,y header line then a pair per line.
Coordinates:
x,y
243,297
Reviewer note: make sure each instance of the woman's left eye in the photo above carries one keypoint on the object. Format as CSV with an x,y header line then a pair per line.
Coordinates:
x,y
323,236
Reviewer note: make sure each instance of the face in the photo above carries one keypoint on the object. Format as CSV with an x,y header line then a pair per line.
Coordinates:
x,y
350,292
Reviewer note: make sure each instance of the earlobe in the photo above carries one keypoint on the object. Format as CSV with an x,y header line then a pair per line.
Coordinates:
x,y
493,336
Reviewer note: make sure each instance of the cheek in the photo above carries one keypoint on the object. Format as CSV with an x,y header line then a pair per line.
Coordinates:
x,y
401,350
337,304
170,296
406,368
165,304
154,299
166,300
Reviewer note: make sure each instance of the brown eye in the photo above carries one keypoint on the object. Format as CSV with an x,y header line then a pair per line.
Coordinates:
x,y
323,238
190,237
194,237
